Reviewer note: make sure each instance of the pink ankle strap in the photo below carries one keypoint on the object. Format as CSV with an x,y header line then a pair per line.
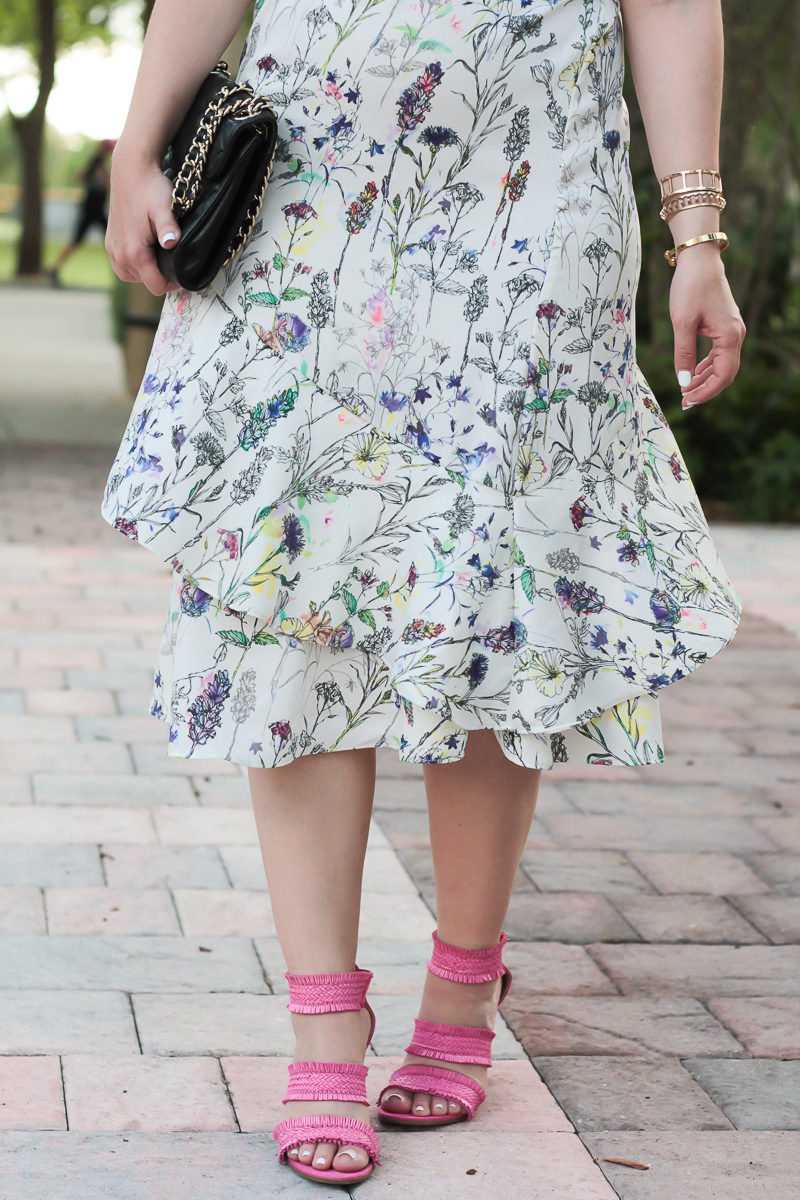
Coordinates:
x,y
467,966
327,1081
343,991
451,1043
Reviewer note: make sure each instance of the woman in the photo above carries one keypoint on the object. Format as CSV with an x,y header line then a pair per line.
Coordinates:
x,y
408,474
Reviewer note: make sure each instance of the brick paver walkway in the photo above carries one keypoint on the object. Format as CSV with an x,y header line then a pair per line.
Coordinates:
x,y
143,1030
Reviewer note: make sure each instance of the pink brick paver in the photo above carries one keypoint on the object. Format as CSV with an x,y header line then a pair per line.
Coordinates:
x,y
143,1024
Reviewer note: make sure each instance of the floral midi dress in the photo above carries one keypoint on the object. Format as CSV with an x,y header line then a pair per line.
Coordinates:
x,y
399,454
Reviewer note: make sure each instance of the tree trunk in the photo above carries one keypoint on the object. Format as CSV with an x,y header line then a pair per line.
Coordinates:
x,y
29,131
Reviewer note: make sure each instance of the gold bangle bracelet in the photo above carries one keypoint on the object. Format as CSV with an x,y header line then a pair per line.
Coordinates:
x,y
671,255
667,189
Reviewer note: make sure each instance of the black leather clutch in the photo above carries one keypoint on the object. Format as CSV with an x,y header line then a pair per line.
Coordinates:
x,y
220,161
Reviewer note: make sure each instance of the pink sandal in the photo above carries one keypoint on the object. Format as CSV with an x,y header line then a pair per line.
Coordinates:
x,y
450,1043
344,991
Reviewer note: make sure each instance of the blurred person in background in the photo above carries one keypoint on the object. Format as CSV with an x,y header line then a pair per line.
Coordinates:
x,y
93,207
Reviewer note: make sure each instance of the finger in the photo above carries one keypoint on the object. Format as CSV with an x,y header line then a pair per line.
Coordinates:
x,y
725,370
685,350
699,377
143,261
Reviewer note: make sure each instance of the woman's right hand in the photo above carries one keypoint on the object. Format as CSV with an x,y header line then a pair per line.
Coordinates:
x,y
139,213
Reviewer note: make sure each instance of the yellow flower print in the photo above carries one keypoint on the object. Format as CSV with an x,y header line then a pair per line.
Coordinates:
x,y
634,717
546,673
294,627
530,466
371,454
695,588
569,76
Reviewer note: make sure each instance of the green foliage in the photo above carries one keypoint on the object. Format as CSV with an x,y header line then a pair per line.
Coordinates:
x,y
76,21
743,447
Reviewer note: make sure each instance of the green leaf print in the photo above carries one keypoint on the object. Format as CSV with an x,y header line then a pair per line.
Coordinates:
x,y
264,298
265,639
236,636
527,581
366,616
349,600
293,293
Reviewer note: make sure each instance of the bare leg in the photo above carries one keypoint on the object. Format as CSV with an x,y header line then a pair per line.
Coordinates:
x,y
479,811
313,818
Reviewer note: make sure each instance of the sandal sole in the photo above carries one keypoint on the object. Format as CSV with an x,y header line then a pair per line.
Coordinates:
x,y
407,1120
329,1175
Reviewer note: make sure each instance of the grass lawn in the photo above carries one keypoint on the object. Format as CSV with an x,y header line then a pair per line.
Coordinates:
x,y
87,267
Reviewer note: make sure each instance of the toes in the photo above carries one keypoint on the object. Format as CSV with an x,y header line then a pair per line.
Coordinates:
x,y
350,1158
438,1106
305,1152
323,1155
454,1107
421,1104
397,1100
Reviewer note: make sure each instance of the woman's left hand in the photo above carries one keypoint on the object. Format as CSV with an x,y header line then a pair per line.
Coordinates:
x,y
701,303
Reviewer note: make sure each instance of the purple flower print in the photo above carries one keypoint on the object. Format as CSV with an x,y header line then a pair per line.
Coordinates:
x,y
416,100
393,401
206,709
578,596
437,136
293,536
412,108
194,601
476,671
665,610
506,638
292,333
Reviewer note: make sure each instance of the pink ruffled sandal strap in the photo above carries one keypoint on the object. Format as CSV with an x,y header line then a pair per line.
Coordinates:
x,y
451,1043
467,966
327,1081
342,1131
343,991
438,1081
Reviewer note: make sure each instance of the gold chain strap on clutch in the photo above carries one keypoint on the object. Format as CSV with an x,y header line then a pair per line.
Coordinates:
x,y
235,100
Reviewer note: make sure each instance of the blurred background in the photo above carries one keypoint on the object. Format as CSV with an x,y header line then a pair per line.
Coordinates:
x,y
67,69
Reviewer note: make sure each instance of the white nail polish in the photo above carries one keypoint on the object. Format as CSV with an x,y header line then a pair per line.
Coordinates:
x,y
684,378
168,237
320,1162
419,1108
349,1153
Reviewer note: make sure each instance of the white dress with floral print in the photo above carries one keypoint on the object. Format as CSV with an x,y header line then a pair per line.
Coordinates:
x,y
400,455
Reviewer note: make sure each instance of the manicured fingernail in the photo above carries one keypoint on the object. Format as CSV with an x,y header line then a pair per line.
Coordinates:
x,y
168,237
684,378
